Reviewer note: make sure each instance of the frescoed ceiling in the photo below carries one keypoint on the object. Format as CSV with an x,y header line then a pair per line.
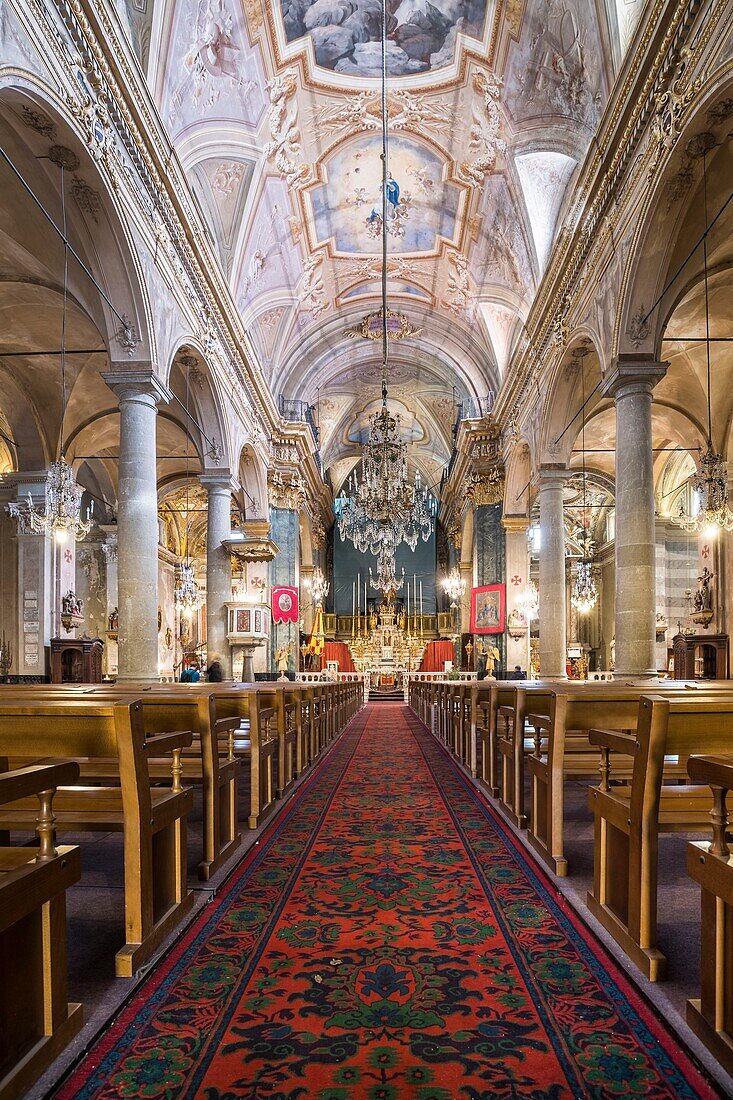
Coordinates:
x,y
274,108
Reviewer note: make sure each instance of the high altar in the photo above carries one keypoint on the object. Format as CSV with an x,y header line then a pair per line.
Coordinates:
x,y
389,650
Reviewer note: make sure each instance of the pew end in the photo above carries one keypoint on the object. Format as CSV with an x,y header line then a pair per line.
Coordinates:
x,y
36,1020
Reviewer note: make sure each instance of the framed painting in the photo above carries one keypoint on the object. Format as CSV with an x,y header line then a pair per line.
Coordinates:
x,y
488,609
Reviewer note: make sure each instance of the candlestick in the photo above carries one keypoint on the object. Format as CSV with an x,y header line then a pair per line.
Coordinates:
x,y
421,611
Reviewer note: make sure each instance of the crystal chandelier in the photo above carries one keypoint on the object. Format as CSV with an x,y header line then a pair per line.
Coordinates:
x,y
187,593
386,580
318,586
529,601
584,595
455,586
384,507
61,515
710,480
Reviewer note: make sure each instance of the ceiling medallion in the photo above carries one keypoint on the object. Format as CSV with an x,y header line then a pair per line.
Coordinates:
x,y
372,326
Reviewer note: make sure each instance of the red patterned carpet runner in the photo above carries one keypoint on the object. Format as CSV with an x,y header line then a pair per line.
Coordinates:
x,y
386,940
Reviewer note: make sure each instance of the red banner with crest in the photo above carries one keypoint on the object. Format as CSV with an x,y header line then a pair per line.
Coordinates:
x,y
285,604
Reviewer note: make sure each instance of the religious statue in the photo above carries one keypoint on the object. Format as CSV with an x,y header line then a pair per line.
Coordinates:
x,y
703,598
71,606
373,620
113,620
282,658
492,656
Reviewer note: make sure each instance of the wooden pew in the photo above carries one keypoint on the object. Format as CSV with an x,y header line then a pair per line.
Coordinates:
x,y
258,744
480,761
555,720
711,1015
208,762
629,819
36,1022
152,819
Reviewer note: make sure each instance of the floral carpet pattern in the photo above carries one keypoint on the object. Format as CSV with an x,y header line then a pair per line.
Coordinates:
x,y
386,940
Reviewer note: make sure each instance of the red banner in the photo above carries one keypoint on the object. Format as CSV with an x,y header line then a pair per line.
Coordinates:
x,y
285,604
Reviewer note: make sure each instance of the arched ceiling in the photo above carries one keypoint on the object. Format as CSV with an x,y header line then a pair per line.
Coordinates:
x,y
274,109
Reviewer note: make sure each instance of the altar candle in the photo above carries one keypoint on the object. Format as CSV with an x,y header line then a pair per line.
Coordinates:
x,y
414,602
358,599
366,602
421,609
408,607
353,605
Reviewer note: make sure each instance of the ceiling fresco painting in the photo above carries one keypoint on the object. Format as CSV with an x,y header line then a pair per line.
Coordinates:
x,y
421,206
346,34
218,76
491,107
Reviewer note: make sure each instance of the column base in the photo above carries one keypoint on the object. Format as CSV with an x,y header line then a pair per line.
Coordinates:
x,y
647,674
130,678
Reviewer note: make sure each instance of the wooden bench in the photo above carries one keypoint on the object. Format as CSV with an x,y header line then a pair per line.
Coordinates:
x,y
710,864
36,1022
545,732
151,819
210,762
628,819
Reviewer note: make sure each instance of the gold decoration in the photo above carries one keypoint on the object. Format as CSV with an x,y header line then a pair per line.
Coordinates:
x,y
486,488
372,327
286,490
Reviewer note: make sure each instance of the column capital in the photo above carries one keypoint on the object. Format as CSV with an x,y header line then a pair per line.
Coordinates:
x,y
552,475
633,374
137,385
515,523
217,479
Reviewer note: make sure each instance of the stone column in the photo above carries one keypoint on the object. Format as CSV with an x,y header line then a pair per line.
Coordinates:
x,y
553,624
490,552
138,392
517,579
284,569
218,487
630,382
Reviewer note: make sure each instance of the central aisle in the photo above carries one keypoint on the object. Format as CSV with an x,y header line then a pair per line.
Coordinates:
x,y
386,940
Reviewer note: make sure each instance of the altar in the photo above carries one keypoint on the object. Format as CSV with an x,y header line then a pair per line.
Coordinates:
x,y
389,650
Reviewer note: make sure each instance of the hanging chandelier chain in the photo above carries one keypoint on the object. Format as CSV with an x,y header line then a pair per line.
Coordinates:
x,y
707,298
63,309
385,179
383,507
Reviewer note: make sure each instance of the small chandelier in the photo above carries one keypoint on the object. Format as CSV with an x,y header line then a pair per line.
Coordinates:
x,y
318,586
61,515
710,479
529,601
454,586
386,580
584,595
187,593
711,485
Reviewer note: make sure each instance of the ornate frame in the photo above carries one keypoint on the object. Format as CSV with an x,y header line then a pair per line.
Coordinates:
x,y
475,593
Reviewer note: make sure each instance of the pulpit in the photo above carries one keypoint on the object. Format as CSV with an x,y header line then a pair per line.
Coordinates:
x,y
76,660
